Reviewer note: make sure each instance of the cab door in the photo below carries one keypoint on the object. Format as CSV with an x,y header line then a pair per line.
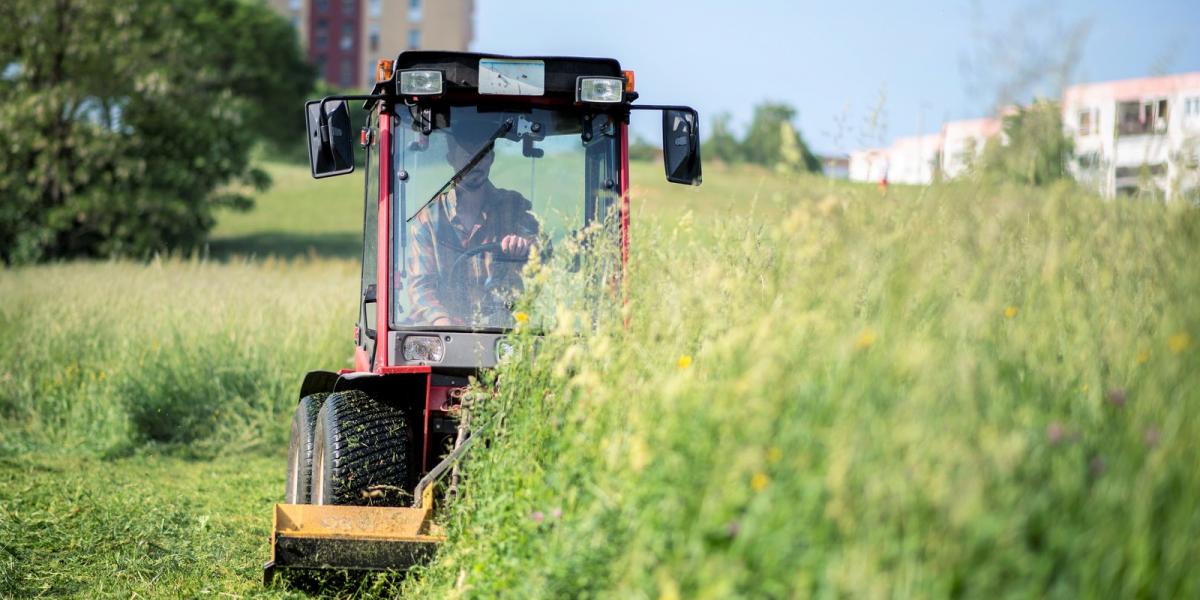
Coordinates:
x,y
366,331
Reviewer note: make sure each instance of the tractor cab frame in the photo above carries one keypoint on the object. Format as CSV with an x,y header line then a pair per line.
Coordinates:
x,y
471,162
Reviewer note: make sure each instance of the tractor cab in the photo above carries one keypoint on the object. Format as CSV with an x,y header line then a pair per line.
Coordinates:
x,y
474,165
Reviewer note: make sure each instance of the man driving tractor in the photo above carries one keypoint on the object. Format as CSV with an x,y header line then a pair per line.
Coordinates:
x,y
444,289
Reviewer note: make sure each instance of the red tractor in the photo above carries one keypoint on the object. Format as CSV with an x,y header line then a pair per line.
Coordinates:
x,y
472,163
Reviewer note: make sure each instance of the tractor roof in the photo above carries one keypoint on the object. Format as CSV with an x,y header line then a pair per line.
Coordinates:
x,y
461,70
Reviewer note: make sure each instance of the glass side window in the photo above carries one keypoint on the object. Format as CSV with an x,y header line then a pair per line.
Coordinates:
x,y
478,193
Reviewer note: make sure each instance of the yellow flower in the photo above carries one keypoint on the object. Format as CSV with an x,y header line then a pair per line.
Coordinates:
x,y
684,361
1179,342
1010,312
759,482
774,455
865,339
521,317
1143,356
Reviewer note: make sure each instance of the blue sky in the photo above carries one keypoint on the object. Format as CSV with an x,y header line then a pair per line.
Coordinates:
x,y
834,60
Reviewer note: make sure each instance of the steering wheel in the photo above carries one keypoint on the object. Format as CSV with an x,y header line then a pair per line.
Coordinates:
x,y
493,247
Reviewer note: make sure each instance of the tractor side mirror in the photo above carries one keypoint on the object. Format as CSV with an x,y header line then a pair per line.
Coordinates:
x,y
330,141
681,145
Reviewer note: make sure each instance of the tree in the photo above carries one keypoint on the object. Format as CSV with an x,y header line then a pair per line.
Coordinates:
x,y
1033,149
771,134
643,151
126,121
721,144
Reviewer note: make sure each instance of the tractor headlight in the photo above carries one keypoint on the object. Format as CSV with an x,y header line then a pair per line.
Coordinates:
x,y
424,348
606,90
420,83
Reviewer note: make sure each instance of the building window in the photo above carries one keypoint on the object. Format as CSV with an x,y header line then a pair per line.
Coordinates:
x,y
1085,123
1191,106
346,76
373,38
1142,117
374,8
347,40
322,5
414,39
294,4
322,35
348,7
319,63
414,11
370,72
1088,160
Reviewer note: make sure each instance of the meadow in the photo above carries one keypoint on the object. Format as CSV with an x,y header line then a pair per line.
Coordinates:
x,y
967,390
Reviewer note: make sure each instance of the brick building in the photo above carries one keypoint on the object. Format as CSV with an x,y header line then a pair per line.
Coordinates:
x,y
344,38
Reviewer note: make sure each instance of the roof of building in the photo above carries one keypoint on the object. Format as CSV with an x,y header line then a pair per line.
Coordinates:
x,y
1133,89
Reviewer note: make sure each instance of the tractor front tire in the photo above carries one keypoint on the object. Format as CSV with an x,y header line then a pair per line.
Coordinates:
x,y
300,449
362,452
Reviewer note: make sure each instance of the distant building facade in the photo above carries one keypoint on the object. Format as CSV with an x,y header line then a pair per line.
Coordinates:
x,y
344,38
918,159
1135,133
1128,135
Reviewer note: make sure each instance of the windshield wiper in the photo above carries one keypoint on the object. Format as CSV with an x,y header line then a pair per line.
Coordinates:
x,y
457,177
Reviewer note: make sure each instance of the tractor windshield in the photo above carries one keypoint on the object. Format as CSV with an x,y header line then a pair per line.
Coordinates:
x,y
479,193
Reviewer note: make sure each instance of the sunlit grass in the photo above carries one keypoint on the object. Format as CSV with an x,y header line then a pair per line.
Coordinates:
x,y
978,393
822,390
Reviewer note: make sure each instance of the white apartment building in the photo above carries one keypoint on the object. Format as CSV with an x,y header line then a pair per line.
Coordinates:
x,y
963,141
915,159
1136,134
1130,135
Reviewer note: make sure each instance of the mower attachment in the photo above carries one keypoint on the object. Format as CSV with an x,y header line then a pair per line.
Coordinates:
x,y
328,537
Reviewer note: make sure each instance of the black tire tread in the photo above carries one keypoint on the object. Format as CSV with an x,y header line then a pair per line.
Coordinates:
x,y
307,409
358,432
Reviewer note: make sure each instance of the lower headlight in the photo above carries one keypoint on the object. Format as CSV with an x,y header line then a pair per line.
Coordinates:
x,y
424,348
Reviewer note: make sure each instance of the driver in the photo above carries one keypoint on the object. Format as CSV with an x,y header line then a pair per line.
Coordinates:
x,y
470,214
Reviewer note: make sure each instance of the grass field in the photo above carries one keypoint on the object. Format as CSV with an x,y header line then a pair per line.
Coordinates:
x,y
961,391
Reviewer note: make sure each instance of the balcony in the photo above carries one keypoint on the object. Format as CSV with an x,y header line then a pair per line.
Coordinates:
x,y
1142,117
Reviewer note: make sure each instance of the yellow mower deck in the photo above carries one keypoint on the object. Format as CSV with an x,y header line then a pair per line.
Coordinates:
x,y
328,537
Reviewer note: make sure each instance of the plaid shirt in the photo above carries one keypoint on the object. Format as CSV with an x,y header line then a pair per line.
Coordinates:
x,y
438,238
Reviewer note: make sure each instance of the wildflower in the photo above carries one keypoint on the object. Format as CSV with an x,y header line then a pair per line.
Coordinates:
x,y
1179,342
537,516
865,339
1116,397
557,512
1055,433
1010,312
759,482
684,361
521,317
1151,436
1143,357
774,455
732,529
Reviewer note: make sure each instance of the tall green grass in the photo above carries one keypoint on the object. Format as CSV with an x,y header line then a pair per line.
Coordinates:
x,y
101,358
961,392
